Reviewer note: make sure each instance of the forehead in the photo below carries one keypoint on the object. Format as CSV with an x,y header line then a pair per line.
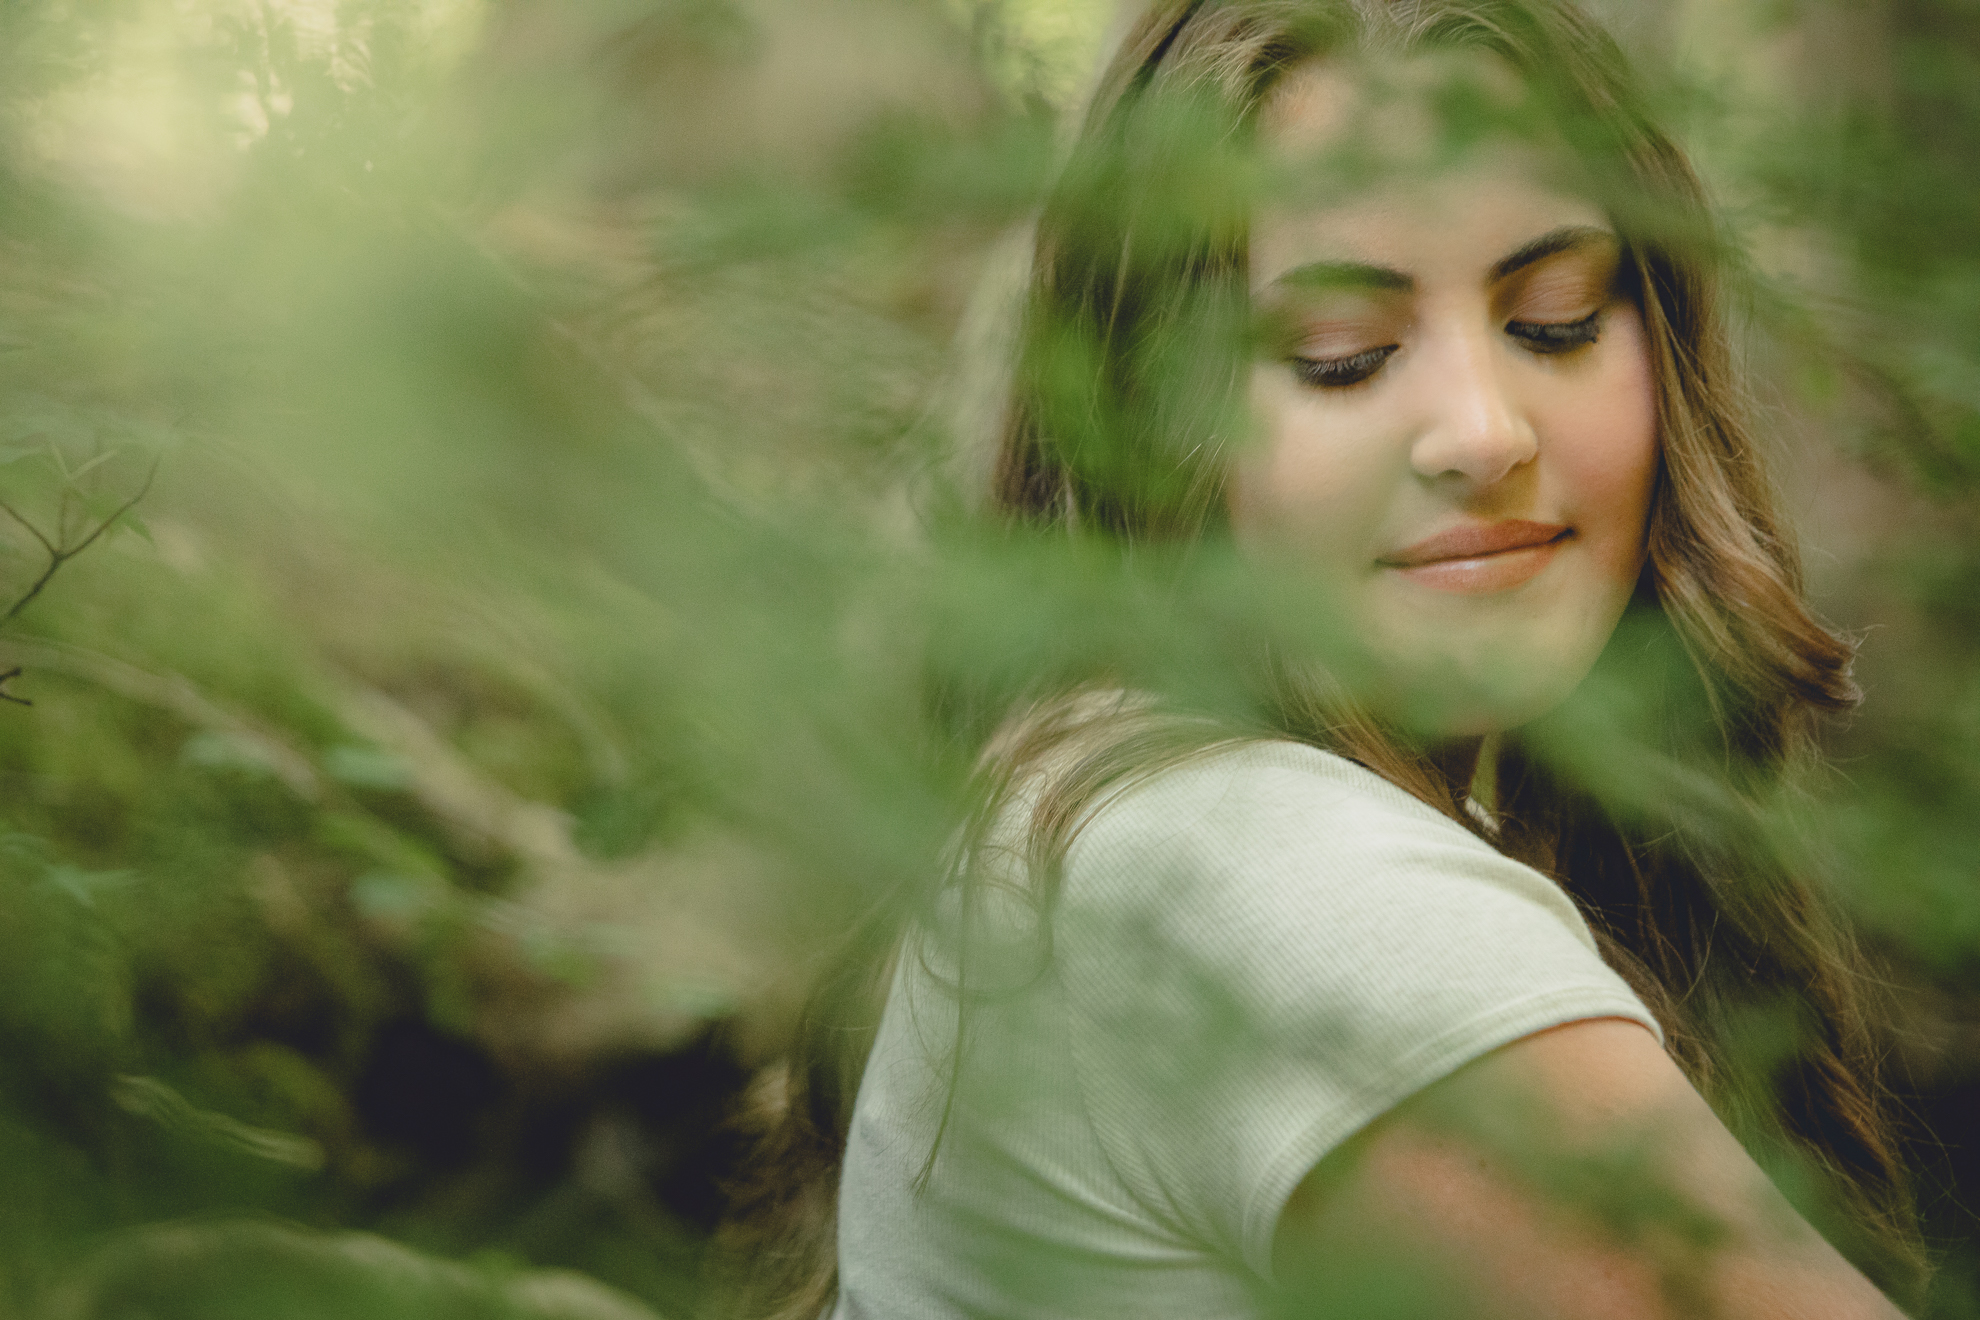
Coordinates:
x,y
1394,163
1405,108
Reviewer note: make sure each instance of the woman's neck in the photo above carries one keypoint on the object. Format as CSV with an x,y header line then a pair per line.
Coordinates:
x,y
1457,761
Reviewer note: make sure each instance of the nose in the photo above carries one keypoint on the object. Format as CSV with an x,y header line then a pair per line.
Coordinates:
x,y
1473,425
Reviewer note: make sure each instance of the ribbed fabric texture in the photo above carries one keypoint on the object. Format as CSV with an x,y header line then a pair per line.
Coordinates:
x,y
1253,955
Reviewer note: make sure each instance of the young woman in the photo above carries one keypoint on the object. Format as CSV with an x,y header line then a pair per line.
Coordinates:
x,y
1307,1014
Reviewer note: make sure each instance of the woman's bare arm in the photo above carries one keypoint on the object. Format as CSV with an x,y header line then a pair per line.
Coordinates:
x,y
1573,1174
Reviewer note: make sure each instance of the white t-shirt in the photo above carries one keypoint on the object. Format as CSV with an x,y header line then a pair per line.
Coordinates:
x,y
1252,956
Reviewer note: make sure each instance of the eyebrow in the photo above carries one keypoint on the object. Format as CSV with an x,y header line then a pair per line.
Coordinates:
x,y
1565,239
1346,275
1360,275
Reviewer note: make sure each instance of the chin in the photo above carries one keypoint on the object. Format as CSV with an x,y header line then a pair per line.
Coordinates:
x,y
1448,693
1468,667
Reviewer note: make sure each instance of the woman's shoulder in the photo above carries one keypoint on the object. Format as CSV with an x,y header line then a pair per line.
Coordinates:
x,y
1261,792
1279,835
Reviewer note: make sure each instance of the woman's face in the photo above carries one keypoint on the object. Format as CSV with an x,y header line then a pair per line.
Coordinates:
x,y
1457,428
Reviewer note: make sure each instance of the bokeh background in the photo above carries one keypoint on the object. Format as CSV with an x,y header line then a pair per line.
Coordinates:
x,y
482,485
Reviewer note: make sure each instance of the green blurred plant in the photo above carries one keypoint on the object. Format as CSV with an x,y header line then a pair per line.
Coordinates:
x,y
554,611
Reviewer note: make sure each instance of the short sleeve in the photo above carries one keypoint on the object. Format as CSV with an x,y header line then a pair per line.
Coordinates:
x,y
1264,950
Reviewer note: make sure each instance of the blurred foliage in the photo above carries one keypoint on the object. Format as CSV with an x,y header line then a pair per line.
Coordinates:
x,y
441,783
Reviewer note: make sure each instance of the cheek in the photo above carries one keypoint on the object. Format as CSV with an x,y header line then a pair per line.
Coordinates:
x,y
1607,453
1311,479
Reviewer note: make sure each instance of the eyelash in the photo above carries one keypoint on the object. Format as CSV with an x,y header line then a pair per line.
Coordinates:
x,y
1339,373
1550,337
1547,338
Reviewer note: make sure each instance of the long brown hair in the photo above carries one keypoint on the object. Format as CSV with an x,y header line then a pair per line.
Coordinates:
x,y
1693,898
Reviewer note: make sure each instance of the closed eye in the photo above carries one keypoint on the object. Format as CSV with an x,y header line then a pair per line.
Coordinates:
x,y
1341,372
1551,337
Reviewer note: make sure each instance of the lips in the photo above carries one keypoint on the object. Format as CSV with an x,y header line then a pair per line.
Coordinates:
x,y
1479,558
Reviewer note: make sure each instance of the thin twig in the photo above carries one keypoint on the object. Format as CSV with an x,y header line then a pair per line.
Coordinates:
x,y
122,509
58,557
46,544
5,695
